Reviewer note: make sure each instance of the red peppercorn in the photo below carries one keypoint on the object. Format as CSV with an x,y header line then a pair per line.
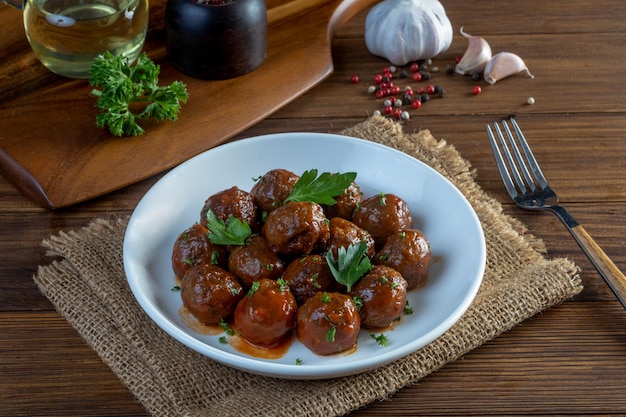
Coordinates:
x,y
378,78
457,59
354,79
415,67
430,89
420,91
417,77
395,90
477,90
397,112
416,104
388,109
380,93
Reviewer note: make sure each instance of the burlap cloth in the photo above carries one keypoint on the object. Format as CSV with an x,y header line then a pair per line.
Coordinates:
x,y
88,287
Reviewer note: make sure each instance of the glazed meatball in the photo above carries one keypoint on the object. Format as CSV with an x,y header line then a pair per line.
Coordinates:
x,y
346,203
273,188
328,323
210,293
307,275
344,233
382,215
408,252
296,228
266,314
255,261
232,202
383,294
192,247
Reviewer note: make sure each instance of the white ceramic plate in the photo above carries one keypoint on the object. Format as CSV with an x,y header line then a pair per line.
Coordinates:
x,y
439,209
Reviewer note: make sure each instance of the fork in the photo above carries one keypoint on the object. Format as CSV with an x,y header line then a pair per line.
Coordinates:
x,y
529,189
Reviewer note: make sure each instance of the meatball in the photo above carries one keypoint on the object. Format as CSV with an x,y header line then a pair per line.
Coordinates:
x,y
408,252
232,202
273,188
266,314
328,323
382,215
307,275
346,203
192,247
344,233
296,228
254,261
383,294
210,293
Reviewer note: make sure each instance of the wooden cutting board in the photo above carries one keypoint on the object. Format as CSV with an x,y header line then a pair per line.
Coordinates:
x,y
51,149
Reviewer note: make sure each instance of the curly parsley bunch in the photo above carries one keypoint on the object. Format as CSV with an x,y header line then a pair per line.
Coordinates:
x,y
131,93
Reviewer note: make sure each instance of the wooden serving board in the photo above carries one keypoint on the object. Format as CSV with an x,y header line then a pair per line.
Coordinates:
x,y
51,149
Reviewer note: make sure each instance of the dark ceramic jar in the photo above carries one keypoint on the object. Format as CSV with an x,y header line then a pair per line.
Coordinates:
x,y
216,41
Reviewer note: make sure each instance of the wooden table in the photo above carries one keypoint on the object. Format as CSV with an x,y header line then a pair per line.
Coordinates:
x,y
570,360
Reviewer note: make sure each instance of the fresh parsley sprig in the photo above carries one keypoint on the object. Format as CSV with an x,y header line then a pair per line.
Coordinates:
x,y
351,264
131,93
233,232
322,189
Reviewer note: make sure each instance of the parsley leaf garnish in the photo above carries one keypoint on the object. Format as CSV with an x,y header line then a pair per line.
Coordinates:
x,y
130,93
233,232
381,339
350,265
322,189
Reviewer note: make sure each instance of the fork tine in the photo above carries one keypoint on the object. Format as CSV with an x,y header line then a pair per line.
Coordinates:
x,y
504,172
522,187
534,166
518,156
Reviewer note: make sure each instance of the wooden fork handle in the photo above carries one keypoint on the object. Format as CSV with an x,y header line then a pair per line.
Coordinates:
x,y
607,269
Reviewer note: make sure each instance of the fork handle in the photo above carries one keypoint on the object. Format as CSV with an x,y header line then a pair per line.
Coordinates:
x,y
607,269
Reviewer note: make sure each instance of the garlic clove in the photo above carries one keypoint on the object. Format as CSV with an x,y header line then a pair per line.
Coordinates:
x,y
476,56
504,64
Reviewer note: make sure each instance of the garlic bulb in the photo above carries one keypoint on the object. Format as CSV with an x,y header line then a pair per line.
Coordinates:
x,y
502,65
407,30
476,56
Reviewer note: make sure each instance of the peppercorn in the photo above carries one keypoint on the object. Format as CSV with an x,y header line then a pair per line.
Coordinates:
x,y
417,77
475,76
424,98
425,75
416,104
477,90
354,79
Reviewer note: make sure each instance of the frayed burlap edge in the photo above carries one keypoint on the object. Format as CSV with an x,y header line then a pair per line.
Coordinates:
x,y
88,287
